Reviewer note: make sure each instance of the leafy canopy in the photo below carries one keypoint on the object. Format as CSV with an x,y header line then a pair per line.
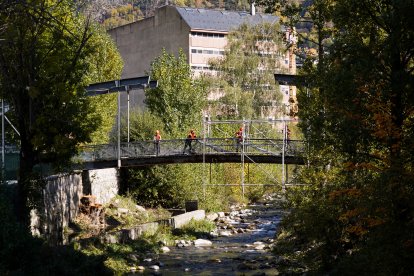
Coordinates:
x,y
179,99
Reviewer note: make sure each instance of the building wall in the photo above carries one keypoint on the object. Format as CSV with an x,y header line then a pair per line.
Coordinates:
x,y
205,46
141,42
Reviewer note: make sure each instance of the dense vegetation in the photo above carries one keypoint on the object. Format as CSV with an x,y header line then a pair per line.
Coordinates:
x,y
112,13
356,214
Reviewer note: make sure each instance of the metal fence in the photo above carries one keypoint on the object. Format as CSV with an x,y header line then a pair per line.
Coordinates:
x,y
219,146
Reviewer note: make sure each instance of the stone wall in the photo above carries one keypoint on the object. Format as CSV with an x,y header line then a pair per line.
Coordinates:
x,y
62,195
61,201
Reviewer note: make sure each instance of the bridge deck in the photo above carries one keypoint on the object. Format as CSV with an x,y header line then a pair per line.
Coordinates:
x,y
213,150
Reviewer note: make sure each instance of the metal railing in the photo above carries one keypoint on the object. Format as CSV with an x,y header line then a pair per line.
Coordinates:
x,y
218,146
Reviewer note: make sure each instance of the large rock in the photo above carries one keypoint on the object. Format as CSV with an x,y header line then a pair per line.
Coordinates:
x,y
212,216
202,242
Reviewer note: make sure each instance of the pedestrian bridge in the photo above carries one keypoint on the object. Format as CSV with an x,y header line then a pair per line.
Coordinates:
x,y
207,150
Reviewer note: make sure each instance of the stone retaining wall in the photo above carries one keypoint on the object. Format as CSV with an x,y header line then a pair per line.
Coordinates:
x,y
61,198
104,184
61,204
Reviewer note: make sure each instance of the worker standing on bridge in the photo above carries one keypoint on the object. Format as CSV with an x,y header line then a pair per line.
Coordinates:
x,y
190,137
157,138
239,139
287,138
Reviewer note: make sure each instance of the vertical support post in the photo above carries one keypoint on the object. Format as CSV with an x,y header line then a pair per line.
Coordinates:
x,y
128,112
242,157
119,126
248,172
204,157
210,174
286,174
283,156
3,166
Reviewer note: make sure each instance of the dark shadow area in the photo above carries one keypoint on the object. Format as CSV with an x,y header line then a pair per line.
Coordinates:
x,y
22,254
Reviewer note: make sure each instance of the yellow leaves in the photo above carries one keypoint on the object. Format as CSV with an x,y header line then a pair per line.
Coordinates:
x,y
357,230
352,192
351,166
372,222
350,214
358,222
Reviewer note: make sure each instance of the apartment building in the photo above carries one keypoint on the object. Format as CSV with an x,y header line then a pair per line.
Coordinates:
x,y
201,33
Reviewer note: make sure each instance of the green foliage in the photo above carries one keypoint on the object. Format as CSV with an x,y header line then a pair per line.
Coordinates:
x,y
246,71
167,186
356,214
195,229
105,64
134,216
143,125
48,54
179,99
121,15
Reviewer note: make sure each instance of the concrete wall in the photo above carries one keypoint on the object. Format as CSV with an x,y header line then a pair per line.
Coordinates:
x,y
140,42
135,232
101,183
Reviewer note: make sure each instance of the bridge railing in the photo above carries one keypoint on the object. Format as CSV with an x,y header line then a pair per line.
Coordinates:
x,y
139,149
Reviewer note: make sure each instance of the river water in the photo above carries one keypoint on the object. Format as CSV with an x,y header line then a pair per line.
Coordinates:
x,y
233,255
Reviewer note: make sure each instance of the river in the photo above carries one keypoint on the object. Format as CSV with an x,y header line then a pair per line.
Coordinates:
x,y
239,254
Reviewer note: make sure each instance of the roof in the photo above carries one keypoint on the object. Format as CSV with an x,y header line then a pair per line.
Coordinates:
x,y
221,20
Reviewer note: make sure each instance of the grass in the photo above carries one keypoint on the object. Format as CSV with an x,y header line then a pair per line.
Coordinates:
x,y
195,229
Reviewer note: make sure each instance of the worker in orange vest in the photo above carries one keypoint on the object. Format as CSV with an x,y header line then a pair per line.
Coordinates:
x,y
239,138
157,138
190,137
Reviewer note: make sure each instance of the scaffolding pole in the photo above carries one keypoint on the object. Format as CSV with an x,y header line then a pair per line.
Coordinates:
x,y
207,123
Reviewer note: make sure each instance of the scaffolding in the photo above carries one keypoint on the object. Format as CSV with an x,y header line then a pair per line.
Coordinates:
x,y
248,126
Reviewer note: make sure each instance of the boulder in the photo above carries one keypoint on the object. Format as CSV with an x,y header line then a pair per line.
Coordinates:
x,y
202,242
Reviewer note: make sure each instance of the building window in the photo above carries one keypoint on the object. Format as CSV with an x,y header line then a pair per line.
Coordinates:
x,y
207,51
212,35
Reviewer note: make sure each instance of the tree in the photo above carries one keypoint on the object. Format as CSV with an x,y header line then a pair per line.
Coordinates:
x,y
360,210
246,71
105,64
179,99
45,60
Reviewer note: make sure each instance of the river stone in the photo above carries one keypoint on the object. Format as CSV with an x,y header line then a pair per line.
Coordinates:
x,y
154,267
214,261
224,234
123,210
260,246
212,217
111,239
165,249
202,242
140,208
221,214
140,268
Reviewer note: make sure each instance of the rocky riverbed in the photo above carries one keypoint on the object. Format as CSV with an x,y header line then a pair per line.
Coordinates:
x,y
241,245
